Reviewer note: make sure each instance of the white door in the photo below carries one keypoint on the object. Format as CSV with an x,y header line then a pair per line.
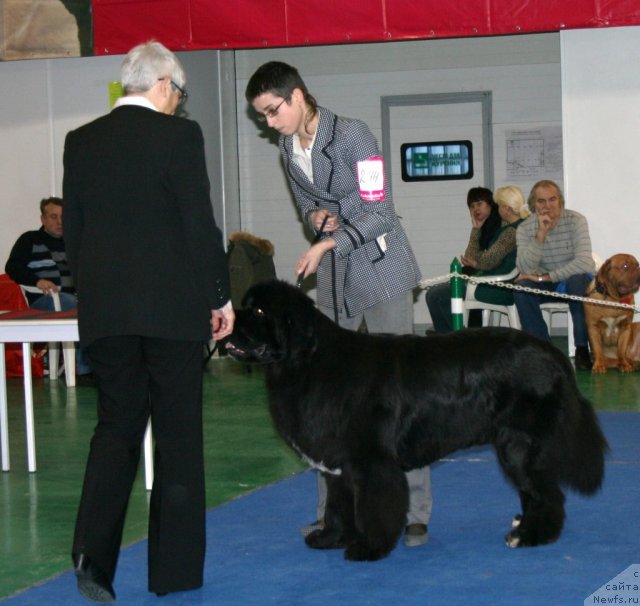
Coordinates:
x,y
435,213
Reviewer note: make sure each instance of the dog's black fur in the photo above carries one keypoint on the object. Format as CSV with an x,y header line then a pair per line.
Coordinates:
x,y
367,408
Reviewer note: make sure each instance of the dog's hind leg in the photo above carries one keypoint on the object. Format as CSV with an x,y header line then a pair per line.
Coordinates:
x,y
542,519
381,501
541,498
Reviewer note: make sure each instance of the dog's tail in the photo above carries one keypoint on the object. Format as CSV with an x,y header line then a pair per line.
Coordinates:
x,y
585,447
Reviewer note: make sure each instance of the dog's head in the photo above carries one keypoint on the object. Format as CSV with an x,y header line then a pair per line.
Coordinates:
x,y
619,276
276,324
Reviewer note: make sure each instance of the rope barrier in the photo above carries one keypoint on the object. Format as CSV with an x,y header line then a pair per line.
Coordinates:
x,y
456,275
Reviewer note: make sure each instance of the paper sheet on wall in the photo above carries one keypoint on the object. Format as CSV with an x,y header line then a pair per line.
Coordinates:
x,y
534,154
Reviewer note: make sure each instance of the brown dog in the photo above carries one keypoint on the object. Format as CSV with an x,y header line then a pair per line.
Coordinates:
x,y
611,330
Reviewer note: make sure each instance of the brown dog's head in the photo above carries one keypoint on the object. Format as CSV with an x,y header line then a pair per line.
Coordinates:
x,y
619,276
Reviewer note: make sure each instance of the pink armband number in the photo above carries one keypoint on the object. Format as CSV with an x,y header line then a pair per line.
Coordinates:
x,y
371,179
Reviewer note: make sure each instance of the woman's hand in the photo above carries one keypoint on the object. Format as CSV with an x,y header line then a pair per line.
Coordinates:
x,y
309,261
317,218
477,223
469,262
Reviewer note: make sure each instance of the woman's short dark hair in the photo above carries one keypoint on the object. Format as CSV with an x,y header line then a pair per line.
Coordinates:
x,y
493,221
279,79
476,194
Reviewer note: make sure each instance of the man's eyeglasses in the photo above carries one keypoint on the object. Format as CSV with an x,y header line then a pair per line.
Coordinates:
x,y
271,113
183,93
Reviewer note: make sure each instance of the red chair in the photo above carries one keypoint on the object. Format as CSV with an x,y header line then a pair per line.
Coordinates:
x,y
12,299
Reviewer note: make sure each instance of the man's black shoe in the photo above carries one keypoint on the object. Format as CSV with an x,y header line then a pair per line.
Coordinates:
x,y
93,582
86,380
582,360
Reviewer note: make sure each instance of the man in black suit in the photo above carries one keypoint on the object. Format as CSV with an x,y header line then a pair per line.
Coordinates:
x,y
150,269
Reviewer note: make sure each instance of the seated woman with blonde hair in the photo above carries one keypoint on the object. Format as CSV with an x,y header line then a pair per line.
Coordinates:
x,y
513,211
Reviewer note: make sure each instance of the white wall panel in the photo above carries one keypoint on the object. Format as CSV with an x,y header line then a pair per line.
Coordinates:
x,y
601,120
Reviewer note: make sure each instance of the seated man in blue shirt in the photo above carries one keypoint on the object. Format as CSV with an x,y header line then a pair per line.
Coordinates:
x,y
39,258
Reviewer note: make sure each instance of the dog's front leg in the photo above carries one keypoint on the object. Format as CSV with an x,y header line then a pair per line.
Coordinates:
x,y
338,528
595,340
381,501
625,364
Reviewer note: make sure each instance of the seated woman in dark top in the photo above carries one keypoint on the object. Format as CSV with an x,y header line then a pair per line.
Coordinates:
x,y
491,250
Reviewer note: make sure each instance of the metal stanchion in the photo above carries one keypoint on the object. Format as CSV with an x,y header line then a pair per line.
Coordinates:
x,y
457,298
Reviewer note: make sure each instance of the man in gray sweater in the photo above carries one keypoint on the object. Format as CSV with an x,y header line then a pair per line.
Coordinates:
x,y
554,254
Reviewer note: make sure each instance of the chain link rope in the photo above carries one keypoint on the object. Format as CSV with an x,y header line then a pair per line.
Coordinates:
x,y
428,282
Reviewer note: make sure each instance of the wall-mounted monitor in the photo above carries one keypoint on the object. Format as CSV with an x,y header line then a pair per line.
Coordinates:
x,y
436,160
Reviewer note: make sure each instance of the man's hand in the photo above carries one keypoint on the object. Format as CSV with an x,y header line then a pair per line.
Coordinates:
x,y
533,277
545,223
222,321
47,286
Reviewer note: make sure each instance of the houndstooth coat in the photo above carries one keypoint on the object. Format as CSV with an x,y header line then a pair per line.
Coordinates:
x,y
373,260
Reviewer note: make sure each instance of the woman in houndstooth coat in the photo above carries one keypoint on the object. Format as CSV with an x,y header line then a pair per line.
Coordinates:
x,y
366,269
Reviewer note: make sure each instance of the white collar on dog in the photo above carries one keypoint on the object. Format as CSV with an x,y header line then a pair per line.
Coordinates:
x,y
313,464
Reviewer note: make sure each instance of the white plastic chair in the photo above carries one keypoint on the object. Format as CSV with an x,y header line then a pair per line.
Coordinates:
x,y
559,306
488,309
68,349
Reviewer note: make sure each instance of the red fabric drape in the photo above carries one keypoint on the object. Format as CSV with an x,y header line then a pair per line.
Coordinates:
x,y
212,24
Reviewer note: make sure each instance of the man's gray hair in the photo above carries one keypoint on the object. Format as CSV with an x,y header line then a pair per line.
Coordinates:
x,y
147,63
533,195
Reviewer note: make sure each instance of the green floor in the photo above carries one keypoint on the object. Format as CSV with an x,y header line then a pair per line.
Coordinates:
x,y
37,510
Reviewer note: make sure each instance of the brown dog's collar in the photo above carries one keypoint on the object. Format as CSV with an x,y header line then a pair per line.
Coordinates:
x,y
602,289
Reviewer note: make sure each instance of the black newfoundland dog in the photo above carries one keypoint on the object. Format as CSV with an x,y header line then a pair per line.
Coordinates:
x,y
366,408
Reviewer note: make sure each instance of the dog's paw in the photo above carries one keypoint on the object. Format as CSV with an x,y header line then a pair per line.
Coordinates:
x,y
324,539
599,368
358,552
513,539
516,520
523,536
624,366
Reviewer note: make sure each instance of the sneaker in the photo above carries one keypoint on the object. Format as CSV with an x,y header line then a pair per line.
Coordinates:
x,y
416,535
309,528
582,360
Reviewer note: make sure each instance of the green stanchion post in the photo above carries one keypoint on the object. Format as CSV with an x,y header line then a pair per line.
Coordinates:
x,y
457,296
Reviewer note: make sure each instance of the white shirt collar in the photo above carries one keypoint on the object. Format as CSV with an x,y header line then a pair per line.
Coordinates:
x,y
135,100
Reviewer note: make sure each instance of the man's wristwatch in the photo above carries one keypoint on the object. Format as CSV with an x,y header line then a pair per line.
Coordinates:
x,y
540,279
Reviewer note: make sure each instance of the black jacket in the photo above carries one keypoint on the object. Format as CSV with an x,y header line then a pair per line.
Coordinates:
x,y
143,246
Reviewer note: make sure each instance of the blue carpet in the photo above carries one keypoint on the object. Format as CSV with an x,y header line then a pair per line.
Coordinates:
x,y
257,556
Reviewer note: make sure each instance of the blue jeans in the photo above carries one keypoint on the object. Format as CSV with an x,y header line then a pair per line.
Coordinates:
x,y
528,305
67,302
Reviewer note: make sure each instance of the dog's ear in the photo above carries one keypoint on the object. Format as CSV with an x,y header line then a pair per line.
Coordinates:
x,y
602,276
302,324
